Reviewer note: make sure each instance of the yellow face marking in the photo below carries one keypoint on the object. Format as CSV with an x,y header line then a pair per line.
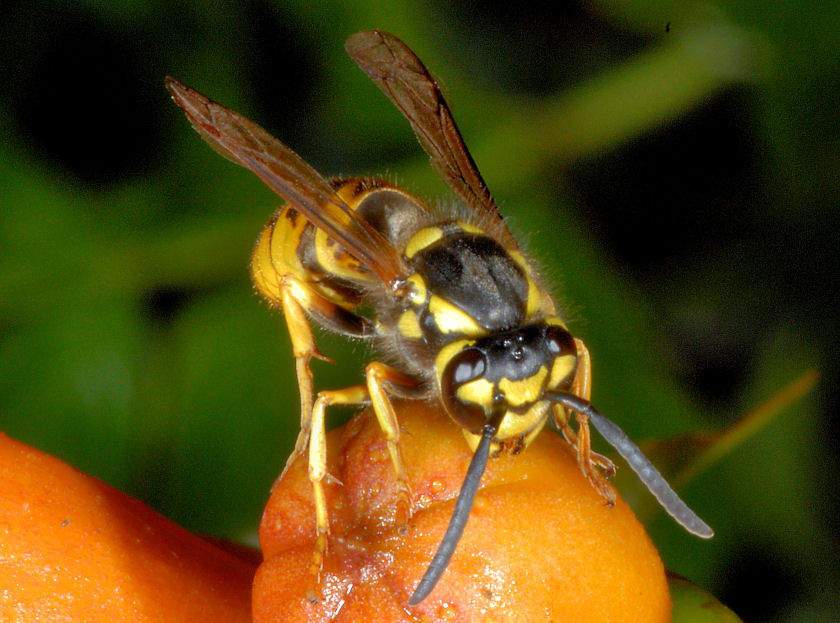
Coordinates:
x,y
417,290
479,391
518,393
450,319
538,414
421,240
561,370
526,425
409,326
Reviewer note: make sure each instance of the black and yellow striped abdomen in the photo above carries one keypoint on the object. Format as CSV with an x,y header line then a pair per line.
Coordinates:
x,y
329,282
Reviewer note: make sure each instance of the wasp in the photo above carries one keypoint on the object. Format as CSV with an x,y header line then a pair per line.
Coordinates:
x,y
449,297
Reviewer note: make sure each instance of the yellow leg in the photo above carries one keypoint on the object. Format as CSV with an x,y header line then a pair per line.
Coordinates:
x,y
358,394
295,295
581,386
588,460
582,383
377,375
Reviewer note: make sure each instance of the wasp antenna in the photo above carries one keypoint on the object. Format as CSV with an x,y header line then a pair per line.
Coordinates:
x,y
459,518
649,475
639,463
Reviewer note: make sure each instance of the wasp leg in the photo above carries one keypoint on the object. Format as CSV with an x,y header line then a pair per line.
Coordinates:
x,y
356,395
377,376
588,460
582,387
582,384
294,297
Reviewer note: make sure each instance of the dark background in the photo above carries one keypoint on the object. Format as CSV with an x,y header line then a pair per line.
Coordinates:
x,y
674,171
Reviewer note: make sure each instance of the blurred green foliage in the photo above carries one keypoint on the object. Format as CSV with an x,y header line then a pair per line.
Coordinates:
x,y
674,171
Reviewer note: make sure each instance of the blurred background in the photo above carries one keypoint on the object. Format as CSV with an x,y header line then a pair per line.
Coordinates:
x,y
674,171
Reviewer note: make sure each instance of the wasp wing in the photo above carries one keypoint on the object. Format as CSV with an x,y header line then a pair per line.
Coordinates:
x,y
247,144
403,78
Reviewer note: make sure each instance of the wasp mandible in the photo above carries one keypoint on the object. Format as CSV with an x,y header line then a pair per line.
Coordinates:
x,y
456,306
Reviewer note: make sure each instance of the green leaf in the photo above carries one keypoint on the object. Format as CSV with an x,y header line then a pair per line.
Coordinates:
x,y
682,458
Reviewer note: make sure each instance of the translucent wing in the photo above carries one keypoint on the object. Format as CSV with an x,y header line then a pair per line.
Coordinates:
x,y
404,78
286,173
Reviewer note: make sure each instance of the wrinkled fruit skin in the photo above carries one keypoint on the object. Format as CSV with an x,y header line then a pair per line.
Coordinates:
x,y
75,550
540,544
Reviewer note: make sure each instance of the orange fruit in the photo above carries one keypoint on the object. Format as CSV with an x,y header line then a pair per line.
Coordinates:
x,y
540,544
74,549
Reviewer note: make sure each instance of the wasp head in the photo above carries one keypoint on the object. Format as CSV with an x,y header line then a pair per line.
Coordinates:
x,y
506,373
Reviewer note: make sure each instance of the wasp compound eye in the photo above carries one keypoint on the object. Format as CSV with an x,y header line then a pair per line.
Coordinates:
x,y
467,366
466,394
558,341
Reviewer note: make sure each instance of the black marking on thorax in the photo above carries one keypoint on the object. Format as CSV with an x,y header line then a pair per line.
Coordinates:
x,y
475,273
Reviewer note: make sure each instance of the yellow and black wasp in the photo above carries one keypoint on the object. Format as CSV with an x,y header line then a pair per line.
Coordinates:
x,y
455,304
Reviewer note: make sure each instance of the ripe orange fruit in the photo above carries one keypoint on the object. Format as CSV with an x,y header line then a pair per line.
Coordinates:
x,y
74,549
540,544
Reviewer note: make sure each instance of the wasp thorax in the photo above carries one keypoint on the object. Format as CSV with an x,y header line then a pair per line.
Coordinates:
x,y
508,371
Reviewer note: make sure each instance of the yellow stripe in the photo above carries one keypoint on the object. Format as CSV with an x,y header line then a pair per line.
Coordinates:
x,y
471,229
534,303
335,260
450,319
421,240
408,325
517,257
417,291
